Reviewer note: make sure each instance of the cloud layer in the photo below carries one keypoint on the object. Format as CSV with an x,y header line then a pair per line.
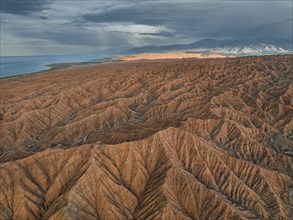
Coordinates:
x,y
59,27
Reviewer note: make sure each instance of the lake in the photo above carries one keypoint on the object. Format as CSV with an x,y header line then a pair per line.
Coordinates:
x,y
18,65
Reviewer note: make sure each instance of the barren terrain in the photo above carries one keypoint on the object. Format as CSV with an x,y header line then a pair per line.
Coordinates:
x,y
175,139
169,55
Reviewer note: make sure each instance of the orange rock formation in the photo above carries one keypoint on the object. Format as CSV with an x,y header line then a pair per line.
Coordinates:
x,y
180,139
169,55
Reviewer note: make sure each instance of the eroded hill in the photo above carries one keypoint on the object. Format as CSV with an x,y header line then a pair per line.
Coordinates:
x,y
177,139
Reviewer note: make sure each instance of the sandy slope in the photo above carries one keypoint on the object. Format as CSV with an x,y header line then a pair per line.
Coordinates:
x,y
169,55
180,139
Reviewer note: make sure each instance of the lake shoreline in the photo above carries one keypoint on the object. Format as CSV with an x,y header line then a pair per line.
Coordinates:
x,y
61,66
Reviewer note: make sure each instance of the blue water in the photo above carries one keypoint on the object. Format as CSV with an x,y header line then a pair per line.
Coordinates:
x,y
18,65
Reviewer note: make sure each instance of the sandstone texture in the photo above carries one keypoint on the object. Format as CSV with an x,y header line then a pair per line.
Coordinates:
x,y
175,139
169,55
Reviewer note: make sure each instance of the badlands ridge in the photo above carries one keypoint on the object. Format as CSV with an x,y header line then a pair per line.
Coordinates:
x,y
174,139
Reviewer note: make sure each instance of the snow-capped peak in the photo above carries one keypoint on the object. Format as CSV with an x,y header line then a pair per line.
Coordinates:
x,y
252,49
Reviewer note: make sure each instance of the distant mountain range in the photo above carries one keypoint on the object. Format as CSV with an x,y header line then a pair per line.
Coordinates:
x,y
222,46
252,49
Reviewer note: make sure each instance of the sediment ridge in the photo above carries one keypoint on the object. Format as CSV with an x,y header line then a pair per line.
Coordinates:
x,y
173,139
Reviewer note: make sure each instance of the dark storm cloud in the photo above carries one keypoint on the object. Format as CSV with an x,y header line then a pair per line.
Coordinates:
x,y
150,13
132,14
23,7
134,23
226,19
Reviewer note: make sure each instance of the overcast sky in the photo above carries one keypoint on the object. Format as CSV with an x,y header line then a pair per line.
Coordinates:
x,y
60,27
